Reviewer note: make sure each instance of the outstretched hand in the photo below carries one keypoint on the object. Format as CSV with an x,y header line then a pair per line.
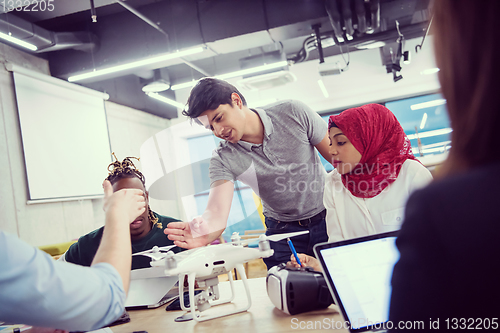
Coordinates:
x,y
188,235
130,202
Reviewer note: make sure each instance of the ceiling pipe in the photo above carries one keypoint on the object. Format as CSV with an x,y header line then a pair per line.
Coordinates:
x,y
334,16
375,14
360,13
141,16
347,15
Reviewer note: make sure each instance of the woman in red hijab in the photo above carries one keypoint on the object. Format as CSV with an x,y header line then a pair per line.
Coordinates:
x,y
375,172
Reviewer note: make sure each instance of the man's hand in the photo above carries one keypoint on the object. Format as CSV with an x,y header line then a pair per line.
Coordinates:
x,y
130,202
188,235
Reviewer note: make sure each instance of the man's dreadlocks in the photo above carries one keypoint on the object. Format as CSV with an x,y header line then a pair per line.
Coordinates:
x,y
127,169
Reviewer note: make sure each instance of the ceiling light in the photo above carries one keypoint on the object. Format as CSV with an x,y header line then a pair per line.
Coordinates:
x,y
184,85
134,64
267,81
424,120
165,100
438,144
19,42
235,74
429,104
429,71
431,150
323,88
427,134
156,86
159,82
252,70
439,147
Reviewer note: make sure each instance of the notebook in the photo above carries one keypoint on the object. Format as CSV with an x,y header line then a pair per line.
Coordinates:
x,y
358,273
150,288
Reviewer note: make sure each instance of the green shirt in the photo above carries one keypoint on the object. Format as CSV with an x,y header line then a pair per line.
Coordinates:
x,y
83,251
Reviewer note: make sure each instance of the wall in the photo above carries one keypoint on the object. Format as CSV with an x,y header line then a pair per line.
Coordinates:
x,y
48,223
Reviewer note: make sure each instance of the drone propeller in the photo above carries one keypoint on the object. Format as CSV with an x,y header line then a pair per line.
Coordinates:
x,y
278,237
272,238
157,253
155,250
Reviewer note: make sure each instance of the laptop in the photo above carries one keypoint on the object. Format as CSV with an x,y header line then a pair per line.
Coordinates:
x,y
150,288
358,273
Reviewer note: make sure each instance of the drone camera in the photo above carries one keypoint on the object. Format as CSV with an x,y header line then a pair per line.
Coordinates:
x,y
202,301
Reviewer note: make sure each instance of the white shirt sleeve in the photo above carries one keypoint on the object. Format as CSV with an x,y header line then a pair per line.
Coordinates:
x,y
334,213
422,177
37,290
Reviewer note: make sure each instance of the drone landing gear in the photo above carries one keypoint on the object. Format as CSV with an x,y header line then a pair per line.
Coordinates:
x,y
210,296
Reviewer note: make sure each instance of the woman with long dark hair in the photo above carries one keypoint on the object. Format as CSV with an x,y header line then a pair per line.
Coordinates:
x,y
446,276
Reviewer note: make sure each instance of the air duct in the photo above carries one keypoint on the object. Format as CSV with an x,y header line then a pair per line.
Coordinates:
x,y
269,79
43,39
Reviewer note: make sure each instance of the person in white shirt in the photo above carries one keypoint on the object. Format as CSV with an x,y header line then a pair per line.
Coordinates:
x,y
37,290
375,173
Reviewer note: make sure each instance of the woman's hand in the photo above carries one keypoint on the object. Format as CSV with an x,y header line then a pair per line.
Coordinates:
x,y
307,261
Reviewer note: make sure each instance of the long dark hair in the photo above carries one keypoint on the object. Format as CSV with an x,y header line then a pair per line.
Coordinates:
x,y
467,42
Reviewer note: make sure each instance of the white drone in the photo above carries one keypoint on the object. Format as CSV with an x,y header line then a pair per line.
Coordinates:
x,y
203,265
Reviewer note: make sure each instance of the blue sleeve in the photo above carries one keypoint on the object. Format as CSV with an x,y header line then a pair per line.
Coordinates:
x,y
37,290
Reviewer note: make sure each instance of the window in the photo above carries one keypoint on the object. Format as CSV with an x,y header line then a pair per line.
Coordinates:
x,y
424,118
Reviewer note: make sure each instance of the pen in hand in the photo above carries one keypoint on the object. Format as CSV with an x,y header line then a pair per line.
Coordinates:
x,y
294,252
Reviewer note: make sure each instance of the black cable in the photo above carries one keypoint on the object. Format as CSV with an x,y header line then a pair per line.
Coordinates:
x,y
199,21
318,42
93,14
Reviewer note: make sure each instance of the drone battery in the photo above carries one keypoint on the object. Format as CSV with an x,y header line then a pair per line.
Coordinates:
x,y
297,290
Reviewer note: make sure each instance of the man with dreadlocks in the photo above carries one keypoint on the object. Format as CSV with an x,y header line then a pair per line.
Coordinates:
x,y
146,230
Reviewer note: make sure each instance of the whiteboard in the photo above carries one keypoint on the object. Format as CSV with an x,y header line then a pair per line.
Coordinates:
x,y
64,135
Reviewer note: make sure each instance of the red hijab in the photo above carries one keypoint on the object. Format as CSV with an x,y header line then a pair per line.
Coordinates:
x,y
376,133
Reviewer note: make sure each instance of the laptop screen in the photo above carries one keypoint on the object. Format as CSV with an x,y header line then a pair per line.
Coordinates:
x,y
358,272
150,288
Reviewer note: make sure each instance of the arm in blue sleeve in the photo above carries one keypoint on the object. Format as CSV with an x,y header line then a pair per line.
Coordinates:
x,y
37,290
